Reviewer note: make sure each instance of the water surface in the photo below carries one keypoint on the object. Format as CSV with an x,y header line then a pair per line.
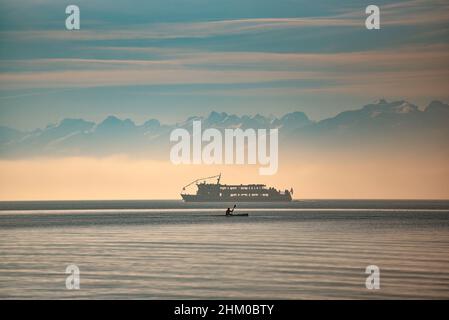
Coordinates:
x,y
169,249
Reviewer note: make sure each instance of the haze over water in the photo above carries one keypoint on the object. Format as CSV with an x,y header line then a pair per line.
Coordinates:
x,y
169,249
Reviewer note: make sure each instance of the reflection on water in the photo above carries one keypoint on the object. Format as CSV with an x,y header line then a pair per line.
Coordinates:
x,y
307,251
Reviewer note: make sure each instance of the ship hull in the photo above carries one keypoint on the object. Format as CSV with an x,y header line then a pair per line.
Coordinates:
x,y
198,198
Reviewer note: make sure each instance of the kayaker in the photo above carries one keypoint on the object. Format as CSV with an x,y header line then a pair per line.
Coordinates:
x,y
229,211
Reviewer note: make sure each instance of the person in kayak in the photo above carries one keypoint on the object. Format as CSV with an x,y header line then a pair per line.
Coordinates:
x,y
229,211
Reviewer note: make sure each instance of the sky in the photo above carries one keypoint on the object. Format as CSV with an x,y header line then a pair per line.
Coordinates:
x,y
317,175
172,59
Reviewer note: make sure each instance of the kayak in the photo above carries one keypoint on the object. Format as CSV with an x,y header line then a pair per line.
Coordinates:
x,y
238,215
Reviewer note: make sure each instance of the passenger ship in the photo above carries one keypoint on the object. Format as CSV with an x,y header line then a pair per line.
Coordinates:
x,y
217,192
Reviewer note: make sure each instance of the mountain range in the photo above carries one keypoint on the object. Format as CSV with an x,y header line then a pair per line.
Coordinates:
x,y
380,123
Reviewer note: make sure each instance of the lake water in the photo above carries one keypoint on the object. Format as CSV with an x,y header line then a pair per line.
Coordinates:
x,y
170,250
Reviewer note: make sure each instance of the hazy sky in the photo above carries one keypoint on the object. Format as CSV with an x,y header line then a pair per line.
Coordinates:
x,y
169,59
318,175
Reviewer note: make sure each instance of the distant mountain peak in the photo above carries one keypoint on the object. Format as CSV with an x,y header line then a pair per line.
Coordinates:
x,y
110,120
152,123
259,117
380,101
112,123
115,119
438,110
297,115
405,107
436,104
292,120
383,106
69,125
215,117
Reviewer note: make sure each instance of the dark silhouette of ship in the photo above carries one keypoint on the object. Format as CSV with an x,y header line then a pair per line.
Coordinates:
x,y
217,192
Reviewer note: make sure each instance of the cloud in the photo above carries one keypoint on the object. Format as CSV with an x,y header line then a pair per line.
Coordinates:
x,y
151,76
409,13
179,30
407,68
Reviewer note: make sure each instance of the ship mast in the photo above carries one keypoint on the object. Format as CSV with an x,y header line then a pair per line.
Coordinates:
x,y
207,178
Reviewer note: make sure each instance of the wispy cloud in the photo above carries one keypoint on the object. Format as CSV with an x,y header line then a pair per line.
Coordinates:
x,y
404,69
408,13
416,12
181,30
85,78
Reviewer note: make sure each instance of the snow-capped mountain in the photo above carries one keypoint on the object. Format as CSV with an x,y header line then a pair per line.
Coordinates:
x,y
380,120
